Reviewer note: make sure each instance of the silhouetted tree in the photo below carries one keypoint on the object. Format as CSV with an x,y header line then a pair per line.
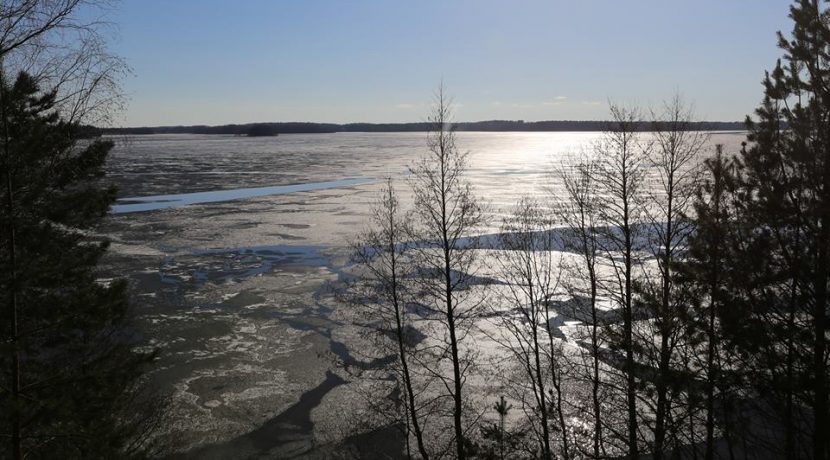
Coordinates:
x,y
499,442
69,372
703,276
619,175
799,94
62,45
675,157
530,268
502,408
767,277
579,210
381,296
445,214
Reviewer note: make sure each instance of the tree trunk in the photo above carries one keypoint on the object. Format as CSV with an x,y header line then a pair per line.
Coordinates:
x,y
665,330
456,368
565,449
820,428
407,380
631,395
714,281
17,452
413,415
542,397
595,378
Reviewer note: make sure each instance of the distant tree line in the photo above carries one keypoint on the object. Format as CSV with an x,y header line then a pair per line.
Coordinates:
x,y
232,129
315,128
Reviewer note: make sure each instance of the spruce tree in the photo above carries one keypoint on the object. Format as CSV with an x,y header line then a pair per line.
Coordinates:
x,y
68,369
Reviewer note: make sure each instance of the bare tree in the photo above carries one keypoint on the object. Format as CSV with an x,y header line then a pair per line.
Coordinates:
x,y
675,159
381,294
446,215
579,211
530,269
619,175
62,44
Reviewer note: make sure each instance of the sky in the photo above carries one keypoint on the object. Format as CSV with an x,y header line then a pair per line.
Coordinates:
x,y
216,62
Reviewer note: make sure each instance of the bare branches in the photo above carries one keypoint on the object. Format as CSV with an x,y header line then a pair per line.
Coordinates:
x,y
620,173
382,295
529,267
63,45
580,212
447,216
675,159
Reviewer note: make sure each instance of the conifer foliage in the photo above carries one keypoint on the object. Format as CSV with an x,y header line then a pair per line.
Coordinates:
x,y
762,254
787,189
67,369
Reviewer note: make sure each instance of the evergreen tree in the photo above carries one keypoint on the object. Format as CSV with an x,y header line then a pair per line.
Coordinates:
x,y
68,370
765,265
704,280
787,186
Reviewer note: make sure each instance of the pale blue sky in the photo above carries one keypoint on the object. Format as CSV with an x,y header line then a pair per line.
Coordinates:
x,y
215,62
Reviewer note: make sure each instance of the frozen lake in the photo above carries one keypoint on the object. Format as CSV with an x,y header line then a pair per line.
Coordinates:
x,y
229,249
503,165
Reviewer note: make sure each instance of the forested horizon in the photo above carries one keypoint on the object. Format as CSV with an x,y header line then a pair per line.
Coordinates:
x,y
480,126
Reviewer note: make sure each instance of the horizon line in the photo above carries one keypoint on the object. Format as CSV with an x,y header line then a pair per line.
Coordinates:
x,y
352,123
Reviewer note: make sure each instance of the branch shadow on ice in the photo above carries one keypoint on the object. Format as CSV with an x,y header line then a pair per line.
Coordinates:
x,y
562,238
578,308
573,309
460,279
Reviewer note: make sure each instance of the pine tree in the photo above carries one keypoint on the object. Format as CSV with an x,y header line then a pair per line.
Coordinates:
x,y
703,280
68,369
767,290
787,183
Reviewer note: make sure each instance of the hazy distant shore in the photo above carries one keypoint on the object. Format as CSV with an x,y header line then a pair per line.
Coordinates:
x,y
487,126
